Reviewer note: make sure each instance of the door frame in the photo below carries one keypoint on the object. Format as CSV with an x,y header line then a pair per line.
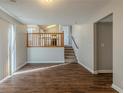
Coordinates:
x,y
95,45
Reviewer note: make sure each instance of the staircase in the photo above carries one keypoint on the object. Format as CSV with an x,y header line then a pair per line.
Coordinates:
x,y
70,55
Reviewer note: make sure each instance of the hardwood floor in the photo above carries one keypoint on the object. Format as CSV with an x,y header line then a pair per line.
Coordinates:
x,y
56,78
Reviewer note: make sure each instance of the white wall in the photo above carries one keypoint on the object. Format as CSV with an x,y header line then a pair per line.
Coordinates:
x,y
5,22
84,35
45,55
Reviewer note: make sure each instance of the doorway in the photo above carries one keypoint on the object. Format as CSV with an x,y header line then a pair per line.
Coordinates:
x,y
67,34
104,45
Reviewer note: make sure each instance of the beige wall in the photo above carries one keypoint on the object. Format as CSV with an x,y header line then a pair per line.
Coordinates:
x,y
5,22
21,50
4,27
85,37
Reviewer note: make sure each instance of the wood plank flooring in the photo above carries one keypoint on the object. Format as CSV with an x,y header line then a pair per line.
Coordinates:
x,y
56,78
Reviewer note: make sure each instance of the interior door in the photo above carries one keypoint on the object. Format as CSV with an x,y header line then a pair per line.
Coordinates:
x,y
104,46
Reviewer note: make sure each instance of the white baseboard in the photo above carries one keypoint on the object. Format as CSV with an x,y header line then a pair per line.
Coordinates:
x,y
95,72
45,61
21,66
103,71
89,69
9,76
1,81
117,88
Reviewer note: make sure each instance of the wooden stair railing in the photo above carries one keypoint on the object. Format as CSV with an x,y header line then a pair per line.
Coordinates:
x,y
45,40
74,42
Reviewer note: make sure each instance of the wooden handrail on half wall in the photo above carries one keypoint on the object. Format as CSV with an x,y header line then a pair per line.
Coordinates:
x,y
45,40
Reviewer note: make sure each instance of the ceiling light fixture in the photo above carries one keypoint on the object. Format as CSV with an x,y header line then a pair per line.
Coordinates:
x,y
51,26
46,2
49,0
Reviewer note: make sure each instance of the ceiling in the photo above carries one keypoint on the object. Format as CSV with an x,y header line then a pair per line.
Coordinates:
x,y
56,12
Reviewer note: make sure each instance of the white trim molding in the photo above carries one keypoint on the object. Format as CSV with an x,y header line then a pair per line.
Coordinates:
x,y
21,66
117,88
7,77
89,69
45,61
103,71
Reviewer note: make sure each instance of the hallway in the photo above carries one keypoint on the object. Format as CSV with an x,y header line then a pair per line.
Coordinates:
x,y
56,78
